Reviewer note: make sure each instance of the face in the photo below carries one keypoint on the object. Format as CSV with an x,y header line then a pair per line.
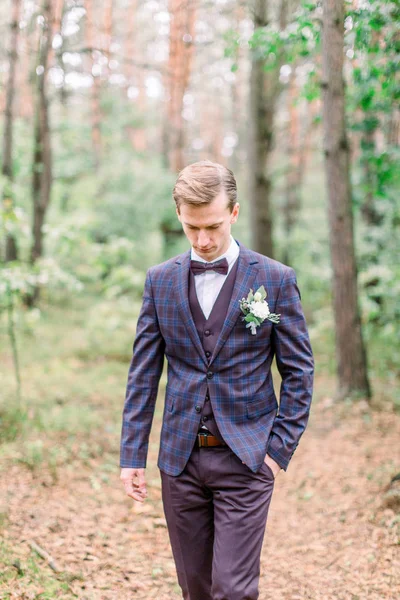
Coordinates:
x,y
208,227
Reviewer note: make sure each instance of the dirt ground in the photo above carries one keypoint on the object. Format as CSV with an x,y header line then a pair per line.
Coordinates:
x,y
332,531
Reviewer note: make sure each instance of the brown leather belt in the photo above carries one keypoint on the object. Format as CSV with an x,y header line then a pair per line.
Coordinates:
x,y
207,441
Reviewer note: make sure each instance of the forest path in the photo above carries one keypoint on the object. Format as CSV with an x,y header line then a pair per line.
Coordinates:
x,y
330,534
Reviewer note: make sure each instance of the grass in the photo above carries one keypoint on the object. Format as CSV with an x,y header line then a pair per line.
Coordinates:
x,y
72,388
34,575
74,372
74,369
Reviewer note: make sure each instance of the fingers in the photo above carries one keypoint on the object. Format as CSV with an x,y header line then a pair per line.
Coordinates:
x,y
136,496
134,483
141,482
133,492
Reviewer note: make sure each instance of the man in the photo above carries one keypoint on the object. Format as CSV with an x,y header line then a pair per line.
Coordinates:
x,y
222,441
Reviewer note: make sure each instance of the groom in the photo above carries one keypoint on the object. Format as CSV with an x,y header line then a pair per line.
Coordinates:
x,y
222,440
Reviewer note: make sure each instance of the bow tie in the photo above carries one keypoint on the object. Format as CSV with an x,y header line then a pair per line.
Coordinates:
x,y
220,266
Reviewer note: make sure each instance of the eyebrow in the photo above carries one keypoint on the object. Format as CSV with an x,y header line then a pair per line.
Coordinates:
x,y
208,226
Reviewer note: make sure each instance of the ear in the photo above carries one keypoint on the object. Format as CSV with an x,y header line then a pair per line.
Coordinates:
x,y
235,213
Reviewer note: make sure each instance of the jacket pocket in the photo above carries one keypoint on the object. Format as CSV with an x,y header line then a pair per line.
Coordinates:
x,y
260,406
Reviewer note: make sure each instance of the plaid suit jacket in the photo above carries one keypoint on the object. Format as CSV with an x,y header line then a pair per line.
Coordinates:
x,y
238,374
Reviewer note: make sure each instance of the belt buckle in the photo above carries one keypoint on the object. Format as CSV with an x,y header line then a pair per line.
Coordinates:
x,y
202,438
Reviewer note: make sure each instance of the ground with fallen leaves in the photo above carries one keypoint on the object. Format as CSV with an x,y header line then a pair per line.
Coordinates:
x,y
333,530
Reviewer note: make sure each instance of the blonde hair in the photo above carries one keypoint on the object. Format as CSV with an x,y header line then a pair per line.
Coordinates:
x,y
202,181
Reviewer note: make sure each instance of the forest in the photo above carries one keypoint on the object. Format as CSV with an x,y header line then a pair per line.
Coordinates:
x,y
102,104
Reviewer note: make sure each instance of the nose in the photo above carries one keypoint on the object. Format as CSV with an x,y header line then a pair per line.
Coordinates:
x,y
203,239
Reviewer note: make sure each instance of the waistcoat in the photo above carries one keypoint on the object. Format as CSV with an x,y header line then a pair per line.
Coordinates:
x,y
209,330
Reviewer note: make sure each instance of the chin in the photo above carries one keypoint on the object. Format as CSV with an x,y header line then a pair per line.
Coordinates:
x,y
210,252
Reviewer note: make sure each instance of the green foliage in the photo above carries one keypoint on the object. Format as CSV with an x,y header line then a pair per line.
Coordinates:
x,y
12,422
106,266
373,44
30,579
111,329
70,408
133,206
300,39
372,47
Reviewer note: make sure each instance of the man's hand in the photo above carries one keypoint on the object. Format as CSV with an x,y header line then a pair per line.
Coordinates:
x,y
134,483
272,464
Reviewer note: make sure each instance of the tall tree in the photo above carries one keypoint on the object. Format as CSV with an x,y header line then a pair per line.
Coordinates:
x,y
293,174
56,54
264,90
176,81
181,45
107,28
11,251
42,159
134,75
24,98
350,349
95,108
297,147
238,89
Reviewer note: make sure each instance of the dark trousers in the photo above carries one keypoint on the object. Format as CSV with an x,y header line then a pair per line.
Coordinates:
x,y
216,512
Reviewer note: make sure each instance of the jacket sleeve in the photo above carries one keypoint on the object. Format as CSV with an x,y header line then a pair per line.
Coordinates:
x,y
143,379
295,362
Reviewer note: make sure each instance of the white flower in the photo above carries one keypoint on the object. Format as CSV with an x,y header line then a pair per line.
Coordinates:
x,y
256,309
259,309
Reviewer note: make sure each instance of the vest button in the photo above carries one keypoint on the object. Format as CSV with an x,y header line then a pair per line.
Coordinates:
x,y
208,354
210,375
207,332
197,408
205,419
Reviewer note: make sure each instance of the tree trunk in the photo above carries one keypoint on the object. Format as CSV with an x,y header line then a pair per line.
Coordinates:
x,y
56,56
136,133
238,108
298,146
292,189
350,349
11,250
24,100
393,128
42,160
95,109
264,89
182,28
107,29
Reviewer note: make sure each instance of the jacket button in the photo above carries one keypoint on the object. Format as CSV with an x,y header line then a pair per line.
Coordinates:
x,y
205,419
197,408
207,332
210,375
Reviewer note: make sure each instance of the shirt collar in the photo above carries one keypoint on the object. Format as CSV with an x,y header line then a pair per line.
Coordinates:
x,y
231,254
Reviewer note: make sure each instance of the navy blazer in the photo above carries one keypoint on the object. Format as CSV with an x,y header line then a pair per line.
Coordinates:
x,y
238,374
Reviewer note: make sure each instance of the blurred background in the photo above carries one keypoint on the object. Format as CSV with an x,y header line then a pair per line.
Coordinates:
x,y
102,104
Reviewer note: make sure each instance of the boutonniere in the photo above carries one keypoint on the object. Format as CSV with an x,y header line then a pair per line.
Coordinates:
x,y
256,309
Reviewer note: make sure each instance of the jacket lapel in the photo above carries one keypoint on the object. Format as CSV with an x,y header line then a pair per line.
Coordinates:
x,y
246,274
182,296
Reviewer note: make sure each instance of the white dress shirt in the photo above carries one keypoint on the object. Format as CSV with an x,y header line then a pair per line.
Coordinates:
x,y
209,284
